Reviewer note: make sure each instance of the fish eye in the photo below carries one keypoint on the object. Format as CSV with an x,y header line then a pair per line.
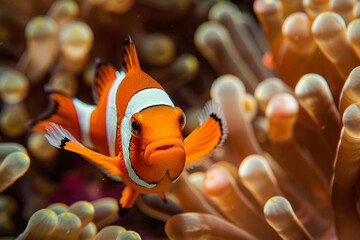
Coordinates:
x,y
182,120
181,116
135,127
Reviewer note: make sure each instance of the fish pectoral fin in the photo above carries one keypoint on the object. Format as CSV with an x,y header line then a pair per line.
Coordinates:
x,y
127,199
211,133
61,138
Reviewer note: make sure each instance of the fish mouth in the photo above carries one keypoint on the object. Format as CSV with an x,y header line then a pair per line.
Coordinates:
x,y
165,156
162,146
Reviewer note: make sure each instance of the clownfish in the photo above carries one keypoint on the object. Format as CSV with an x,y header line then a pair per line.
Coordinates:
x,y
134,133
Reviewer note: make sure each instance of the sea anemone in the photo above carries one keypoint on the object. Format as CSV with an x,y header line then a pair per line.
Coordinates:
x,y
286,78
78,221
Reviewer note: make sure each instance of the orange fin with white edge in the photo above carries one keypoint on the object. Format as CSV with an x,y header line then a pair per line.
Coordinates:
x,y
105,76
61,111
211,133
130,59
61,138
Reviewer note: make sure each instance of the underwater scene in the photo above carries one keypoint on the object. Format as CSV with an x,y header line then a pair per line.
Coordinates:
x,y
179,119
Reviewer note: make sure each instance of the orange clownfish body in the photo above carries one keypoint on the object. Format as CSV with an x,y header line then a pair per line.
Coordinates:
x,y
135,129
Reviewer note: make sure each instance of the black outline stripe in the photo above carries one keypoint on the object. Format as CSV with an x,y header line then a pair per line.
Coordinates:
x,y
63,142
216,118
51,110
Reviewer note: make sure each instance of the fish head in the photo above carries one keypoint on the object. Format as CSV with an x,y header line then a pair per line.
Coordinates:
x,y
157,146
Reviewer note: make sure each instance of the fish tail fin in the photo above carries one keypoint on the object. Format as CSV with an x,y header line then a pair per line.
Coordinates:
x,y
130,59
61,111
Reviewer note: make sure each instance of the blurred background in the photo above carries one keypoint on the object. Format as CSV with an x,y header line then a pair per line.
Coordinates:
x,y
163,32
285,72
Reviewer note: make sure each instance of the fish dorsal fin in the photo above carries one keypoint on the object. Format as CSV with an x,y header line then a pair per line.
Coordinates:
x,y
130,59
105,76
